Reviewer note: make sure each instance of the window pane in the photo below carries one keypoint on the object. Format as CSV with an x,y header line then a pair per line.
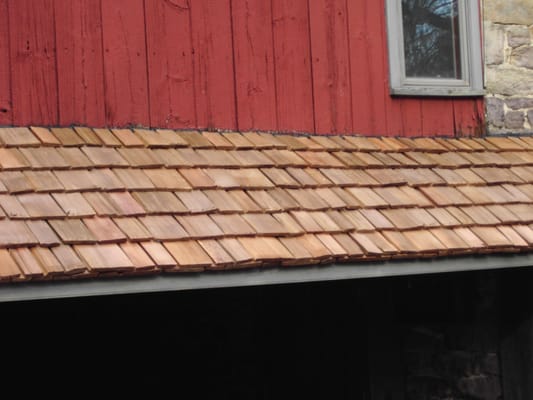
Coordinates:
x,y
431,39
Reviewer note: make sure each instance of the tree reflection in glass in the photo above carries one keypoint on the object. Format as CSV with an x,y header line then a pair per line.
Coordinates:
x,y
431,39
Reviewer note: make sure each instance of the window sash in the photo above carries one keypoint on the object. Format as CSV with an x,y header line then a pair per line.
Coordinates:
x,y
471,58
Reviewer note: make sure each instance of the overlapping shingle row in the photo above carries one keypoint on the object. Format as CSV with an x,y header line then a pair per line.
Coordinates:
x,y
87,202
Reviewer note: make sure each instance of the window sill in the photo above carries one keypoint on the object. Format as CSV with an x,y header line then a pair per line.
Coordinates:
x,y
437,92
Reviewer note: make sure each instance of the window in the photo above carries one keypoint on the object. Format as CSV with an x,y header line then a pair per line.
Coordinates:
x,y
434,47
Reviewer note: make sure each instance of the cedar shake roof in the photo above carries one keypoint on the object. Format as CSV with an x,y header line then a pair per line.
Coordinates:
x,y
91,203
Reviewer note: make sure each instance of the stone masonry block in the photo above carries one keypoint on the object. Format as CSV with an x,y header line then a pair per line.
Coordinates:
x,y
518,35
509,81
514,120
495,111
518,12
523,57
519,103
494,44
530,117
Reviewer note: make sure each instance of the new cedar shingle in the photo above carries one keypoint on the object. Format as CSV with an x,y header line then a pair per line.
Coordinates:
x,y
43,181
104,230
237,251
87,135
221,258
43,233
292,200
138,257
13,159
189,255
72,231
264,200
74,157
44,135
196,201
199,226
233,225
223,201
104,257
167,179
159,202
48,261
164,227
28,264
20,136
106,179
40,205
134,230
265,224
159,254
9,269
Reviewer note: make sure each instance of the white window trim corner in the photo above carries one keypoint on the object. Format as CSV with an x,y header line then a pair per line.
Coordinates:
x,y
471,56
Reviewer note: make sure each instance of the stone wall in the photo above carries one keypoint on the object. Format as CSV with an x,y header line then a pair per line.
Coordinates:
x,y
508,38
452,340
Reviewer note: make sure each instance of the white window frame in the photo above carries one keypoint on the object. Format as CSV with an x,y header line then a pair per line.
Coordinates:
x,y
471,56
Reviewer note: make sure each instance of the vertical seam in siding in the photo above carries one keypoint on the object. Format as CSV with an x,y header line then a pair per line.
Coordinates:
x,y
57,113
193,56
104,77
12,112
236,116
148,102
311,64
349,64
274,63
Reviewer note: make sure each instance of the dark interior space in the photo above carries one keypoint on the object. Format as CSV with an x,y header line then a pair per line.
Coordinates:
x,y
424,337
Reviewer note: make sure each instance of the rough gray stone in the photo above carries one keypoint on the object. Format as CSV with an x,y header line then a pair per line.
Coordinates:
x,y
519,103
518,36
509,81
494,40
523,57
495,112
490,364
518,12
514,120
481,387
530,117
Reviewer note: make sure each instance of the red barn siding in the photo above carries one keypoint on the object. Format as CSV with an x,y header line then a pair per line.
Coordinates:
x,y
125,70
170,64
34,94
300,65
254,65
5,67
80,65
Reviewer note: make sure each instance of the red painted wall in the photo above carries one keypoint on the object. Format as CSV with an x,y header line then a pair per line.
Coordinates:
x,y
299,65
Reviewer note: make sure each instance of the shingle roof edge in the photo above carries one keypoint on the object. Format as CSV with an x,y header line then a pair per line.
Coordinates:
x,y
259,277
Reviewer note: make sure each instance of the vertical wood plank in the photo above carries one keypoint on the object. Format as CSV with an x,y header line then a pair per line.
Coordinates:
x,y
80,62
292,53
213,64
368,74
5,68
254,64
437,117
331,66
170,64
469,117
33,62
411,111
125,72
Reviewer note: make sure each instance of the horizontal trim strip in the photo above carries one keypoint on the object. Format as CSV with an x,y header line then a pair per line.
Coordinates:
x,y
257,277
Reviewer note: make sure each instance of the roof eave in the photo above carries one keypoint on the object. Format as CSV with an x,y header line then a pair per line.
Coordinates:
x,y
259,276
